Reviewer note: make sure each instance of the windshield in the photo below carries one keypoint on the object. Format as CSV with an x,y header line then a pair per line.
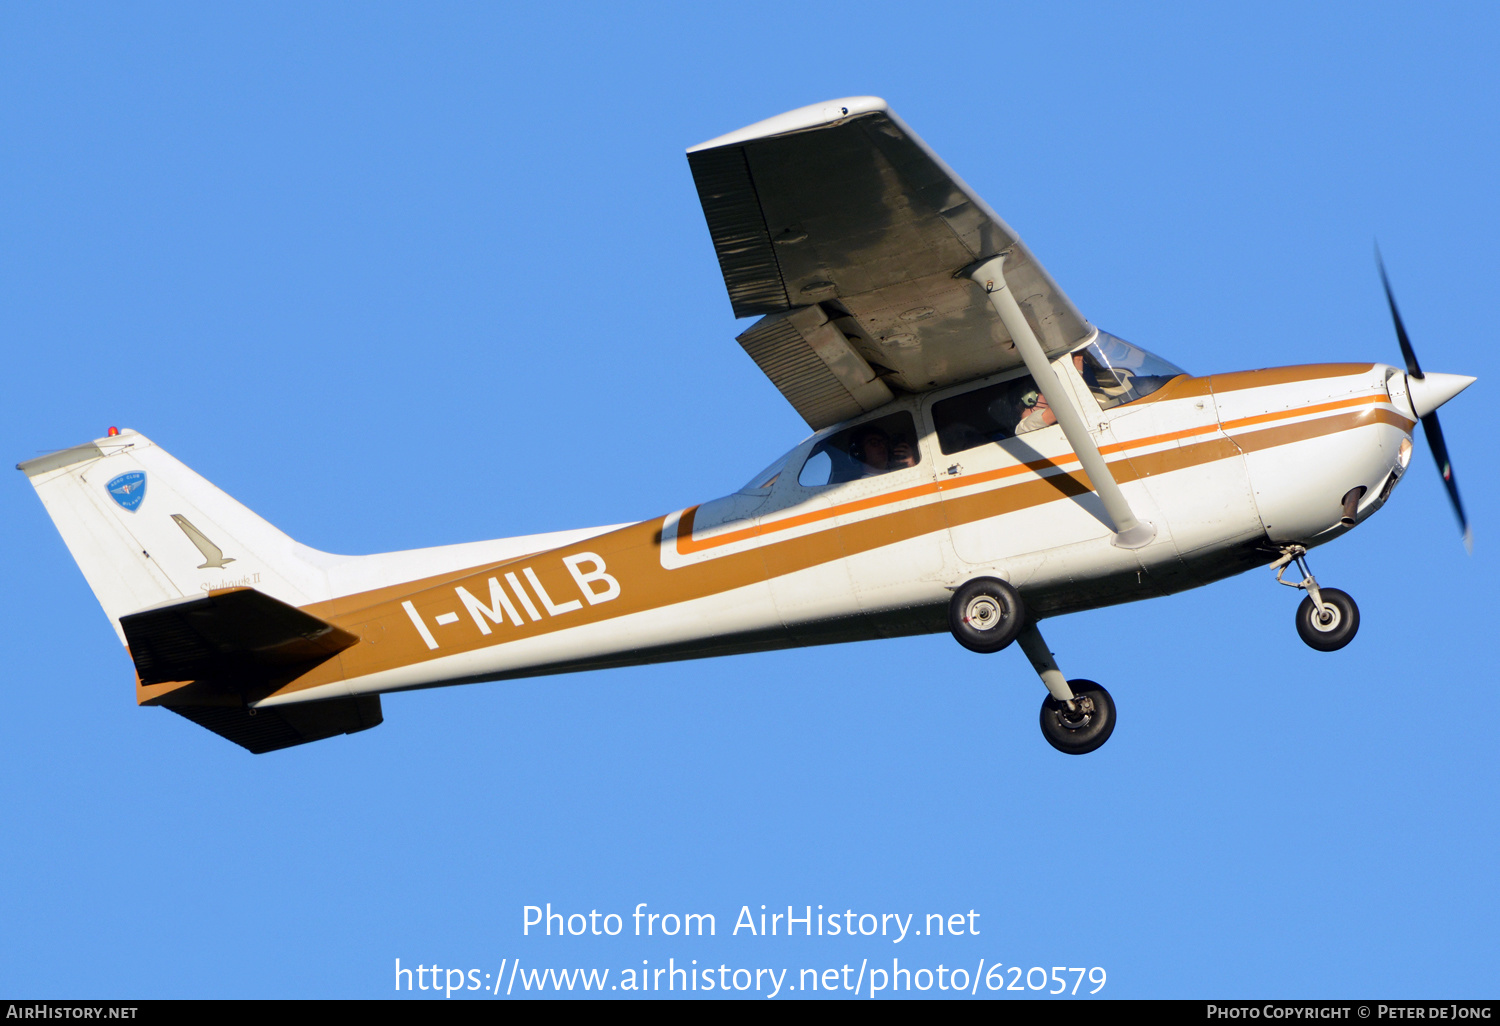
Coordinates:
x,y
1118,372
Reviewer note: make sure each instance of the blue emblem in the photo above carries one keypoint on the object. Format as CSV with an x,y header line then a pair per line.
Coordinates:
x,y
128,489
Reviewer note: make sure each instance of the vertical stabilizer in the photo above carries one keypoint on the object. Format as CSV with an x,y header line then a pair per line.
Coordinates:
x,y
145,529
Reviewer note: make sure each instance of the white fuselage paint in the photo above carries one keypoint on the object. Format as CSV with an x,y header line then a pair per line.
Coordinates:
x,y
1214,517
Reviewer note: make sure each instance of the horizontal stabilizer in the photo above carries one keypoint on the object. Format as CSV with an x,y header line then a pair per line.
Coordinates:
x,y
234,634
266,730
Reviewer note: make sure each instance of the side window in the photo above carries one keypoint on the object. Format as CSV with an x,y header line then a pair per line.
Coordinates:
x,y
866,450
818,470
762,482
989,414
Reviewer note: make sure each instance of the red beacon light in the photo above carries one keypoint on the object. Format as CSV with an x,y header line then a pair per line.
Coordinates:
x,y
113,431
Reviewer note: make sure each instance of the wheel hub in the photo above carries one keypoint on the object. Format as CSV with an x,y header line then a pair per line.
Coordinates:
x,y
1079,716
982,612
1328,618
1081,725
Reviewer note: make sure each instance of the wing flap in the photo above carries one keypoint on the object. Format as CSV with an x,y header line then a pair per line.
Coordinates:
x,y
813,364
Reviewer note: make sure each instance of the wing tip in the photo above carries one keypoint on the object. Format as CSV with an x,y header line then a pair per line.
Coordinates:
x,y
817,115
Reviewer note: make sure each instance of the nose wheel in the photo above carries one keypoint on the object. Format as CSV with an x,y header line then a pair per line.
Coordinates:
x,y
1327,619
1332,627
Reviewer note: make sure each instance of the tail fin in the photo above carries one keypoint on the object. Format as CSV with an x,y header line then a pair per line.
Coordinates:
x,y
145,529
189,570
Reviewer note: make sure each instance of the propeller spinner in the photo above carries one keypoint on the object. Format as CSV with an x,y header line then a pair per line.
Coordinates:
x,y
1428,392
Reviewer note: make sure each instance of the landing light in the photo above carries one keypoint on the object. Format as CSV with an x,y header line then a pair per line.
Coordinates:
x,y
1403,454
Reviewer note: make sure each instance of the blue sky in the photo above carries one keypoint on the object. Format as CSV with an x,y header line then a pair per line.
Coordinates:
x,y
399,275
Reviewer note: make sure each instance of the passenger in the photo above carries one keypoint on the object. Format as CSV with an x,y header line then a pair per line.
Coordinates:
x,y
873,449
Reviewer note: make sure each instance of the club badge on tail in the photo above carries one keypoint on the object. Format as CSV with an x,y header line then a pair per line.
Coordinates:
x,y
128,490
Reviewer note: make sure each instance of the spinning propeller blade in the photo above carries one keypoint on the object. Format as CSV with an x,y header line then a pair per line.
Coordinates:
x,y
1436,395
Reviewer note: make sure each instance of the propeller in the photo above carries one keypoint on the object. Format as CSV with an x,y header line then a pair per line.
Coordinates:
x,y
1428,392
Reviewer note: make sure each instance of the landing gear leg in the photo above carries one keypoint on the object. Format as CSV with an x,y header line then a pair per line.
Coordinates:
x,y
1327,619
1078,715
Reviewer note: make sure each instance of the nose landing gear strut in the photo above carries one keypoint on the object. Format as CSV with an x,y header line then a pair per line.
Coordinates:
x,y
1327,619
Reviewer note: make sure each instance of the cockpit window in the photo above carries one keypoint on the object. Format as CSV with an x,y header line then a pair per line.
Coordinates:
x,y
989,414
866,450
1118,372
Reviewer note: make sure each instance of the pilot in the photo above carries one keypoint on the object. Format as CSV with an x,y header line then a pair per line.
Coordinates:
x,y
875,451
1034,411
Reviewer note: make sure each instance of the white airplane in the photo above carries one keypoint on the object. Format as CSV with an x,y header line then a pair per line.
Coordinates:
x,y
982,458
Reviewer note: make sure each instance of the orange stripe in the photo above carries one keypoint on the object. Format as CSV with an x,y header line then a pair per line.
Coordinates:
x,y
687,545
633,553
1170,436
1265,418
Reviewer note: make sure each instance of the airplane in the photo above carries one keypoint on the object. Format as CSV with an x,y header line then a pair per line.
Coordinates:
x,y
982,458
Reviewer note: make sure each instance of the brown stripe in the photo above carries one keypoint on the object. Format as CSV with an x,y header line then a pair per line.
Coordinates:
x,y
633,554
1270,438
345,605
1186,386
688,545
1238,381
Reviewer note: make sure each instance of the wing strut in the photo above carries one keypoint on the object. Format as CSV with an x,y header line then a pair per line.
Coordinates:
x,y
1130,533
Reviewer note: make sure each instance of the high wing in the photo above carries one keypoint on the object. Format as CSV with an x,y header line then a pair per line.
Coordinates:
x,y
838,224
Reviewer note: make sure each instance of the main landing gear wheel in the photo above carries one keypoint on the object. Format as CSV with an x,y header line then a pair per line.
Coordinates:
x,y
1334,627
1083,728
986,614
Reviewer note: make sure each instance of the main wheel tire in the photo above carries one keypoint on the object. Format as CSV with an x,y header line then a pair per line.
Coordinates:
x,y
1336,628
986,614
1080,730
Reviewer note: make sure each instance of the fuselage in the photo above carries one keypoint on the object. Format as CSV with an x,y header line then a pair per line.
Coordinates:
x,y
1226,468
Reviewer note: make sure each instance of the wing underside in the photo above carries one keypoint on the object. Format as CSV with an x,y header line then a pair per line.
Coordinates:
x,y
839,225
